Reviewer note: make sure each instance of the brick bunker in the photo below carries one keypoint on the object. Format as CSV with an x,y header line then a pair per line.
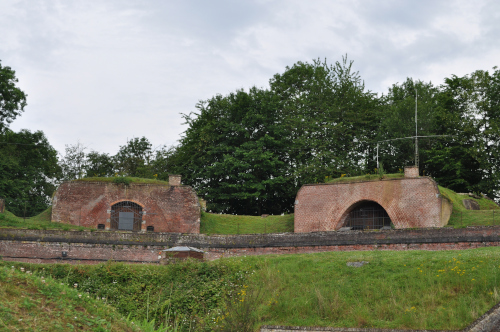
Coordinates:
x,y
135,207
408,202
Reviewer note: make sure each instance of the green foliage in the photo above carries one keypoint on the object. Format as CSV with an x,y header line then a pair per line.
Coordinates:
x,y
212,223
39,303
438,290
12,99
187,294
122,180
28,171
129,179
249,152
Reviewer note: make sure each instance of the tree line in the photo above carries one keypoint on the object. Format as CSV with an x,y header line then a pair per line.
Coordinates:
x,y
250,151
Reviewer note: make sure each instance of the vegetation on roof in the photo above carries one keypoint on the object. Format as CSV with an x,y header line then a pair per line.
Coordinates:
x,y
122,179
367,177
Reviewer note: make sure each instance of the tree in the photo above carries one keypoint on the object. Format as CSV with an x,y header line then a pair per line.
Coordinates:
x,y
397,121
28,171
74,162
133,159
12,99
99,165
249,152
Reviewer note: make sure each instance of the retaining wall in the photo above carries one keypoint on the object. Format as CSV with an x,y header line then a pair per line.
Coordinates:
x,y
90,247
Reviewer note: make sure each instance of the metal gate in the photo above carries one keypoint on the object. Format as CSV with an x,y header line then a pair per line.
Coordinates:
x,y
126,216
368,215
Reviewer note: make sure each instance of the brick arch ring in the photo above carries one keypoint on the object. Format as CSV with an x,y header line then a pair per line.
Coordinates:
x,y
356,204
127,200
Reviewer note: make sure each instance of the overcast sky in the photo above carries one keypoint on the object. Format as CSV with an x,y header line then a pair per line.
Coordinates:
x,y
101,72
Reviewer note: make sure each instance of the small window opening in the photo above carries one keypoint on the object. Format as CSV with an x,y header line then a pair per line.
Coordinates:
x,y
150,228
100,226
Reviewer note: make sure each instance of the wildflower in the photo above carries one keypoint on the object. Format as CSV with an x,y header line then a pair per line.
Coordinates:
x,y
75,285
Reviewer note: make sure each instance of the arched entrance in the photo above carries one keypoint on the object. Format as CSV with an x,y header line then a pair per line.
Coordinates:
x,y
367,215
126,216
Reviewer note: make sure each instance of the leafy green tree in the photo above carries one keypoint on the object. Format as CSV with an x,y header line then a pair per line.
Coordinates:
x,y
398,121
99,164
234,153
73,163
12,99
134,158
330,117
29,171
249,152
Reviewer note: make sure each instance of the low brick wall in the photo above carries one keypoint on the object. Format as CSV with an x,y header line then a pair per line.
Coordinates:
x,y
86,246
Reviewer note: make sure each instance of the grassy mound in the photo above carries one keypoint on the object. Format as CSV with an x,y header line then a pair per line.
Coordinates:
x,y
41,221
119,179
32,303
461,217
212,223
367,177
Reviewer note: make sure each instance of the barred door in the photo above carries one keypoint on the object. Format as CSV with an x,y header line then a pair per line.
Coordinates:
x,y
126,216
368,215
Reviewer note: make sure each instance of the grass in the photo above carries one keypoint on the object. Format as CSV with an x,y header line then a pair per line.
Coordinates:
x,y
461,217
367,177
212,223
395,290
41,221
31,303
129,179
185,294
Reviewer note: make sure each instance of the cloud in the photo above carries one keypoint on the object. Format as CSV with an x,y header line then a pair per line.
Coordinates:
x,y
104,71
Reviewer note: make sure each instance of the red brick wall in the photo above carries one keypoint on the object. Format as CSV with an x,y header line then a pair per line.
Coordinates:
x,y
166,208
79,253
409,202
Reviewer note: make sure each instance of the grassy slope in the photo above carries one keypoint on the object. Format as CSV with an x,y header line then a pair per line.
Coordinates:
x,y
30,303
406,289
212,223
461,217
396,289
41,221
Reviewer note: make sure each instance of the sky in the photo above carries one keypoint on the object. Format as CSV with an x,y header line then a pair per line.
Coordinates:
x,y
101,72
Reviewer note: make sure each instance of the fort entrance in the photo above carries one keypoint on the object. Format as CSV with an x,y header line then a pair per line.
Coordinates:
x,y
367,215
126,216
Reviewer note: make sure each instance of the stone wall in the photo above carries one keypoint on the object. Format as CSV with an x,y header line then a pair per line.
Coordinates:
x,y
166,208
90,247
409,202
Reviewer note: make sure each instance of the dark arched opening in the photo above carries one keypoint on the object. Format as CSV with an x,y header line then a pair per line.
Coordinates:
x,y
126,216
367,215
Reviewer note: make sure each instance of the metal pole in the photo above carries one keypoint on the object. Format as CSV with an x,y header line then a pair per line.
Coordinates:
x,y
377,156
416,129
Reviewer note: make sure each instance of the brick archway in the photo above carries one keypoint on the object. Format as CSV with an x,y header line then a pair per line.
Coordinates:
x,y
365,214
